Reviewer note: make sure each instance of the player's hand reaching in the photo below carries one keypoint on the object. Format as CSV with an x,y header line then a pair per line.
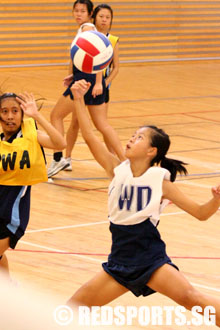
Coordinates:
x,y
80,88
67,80
97,89
28,104
216,192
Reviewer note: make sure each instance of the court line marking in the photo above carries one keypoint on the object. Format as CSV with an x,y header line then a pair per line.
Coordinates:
x,y
87,224
99,261
205,287
194,161
190,183
56,250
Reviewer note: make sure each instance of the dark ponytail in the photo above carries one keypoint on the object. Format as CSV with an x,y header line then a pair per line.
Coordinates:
x,y
174,166
161,141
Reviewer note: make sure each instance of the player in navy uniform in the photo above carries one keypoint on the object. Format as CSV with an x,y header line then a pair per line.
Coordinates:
x,y
102,18
22,164
94,99
141,186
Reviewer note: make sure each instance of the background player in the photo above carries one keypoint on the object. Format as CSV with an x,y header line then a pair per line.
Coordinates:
x,y
95,101
102,18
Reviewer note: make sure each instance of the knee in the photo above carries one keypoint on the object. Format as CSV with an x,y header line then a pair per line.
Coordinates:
x,y
74,125
59,112
191,297
82,297
54,115
102,127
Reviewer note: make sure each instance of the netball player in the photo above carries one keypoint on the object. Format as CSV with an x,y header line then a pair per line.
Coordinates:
x,y
22,164
140,188
102,18
94,100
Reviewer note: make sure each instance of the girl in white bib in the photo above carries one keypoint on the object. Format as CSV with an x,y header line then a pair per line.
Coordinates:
x,y
140,188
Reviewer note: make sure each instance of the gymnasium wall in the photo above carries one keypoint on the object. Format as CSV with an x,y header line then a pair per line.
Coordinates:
x,y
39,32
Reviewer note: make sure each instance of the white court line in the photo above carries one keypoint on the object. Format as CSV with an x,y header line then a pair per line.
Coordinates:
x,y
196,162
99,261
86,224
205,287
62,251
189,183
64,227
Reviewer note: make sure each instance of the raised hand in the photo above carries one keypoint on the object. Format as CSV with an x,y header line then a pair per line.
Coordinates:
x,y
216,192
97,89
28,104
80,88
67,80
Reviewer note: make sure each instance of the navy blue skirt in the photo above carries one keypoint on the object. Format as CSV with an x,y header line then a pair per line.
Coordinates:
x,y
137,251
135,278
6,233
88,98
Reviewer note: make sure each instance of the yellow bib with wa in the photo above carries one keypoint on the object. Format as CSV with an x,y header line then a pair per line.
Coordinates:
x,y
22,162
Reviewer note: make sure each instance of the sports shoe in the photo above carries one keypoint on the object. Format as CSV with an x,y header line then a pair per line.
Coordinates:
x,y
69,167
56,167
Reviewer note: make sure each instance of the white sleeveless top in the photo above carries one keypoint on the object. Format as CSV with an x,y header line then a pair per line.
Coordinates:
x,y
134,199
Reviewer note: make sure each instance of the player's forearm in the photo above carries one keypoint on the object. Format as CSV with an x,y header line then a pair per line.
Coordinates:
x,y
55,136
98,78
208,209
83,119
112,75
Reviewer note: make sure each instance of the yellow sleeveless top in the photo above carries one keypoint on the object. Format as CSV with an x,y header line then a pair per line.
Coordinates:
x,y
22,162
113,40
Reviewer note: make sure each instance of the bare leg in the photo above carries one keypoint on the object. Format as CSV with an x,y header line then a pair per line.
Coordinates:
x,y
171,283
99,118
108,145
4,245
99,291
63,107
71,135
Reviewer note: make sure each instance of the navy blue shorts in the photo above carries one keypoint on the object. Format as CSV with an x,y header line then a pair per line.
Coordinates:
x,y
135,278
88,98
4,233
107,95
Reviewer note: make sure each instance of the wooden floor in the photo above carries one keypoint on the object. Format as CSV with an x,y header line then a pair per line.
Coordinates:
x,y
68,236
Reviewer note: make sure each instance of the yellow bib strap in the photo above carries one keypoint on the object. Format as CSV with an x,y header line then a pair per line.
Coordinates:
x,y
113,40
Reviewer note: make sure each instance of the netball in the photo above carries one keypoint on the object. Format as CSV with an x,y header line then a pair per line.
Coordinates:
x,y
91,52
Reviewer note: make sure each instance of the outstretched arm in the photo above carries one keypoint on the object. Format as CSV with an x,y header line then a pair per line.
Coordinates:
x,y
106,159
68,79
51,138
201,212
98,89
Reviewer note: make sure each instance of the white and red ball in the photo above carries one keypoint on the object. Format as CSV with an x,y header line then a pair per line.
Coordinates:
x,y
91,51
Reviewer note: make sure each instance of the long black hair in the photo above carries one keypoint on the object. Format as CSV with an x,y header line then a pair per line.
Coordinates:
x,y
161,141
88,4
14,96
98,8
7,95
